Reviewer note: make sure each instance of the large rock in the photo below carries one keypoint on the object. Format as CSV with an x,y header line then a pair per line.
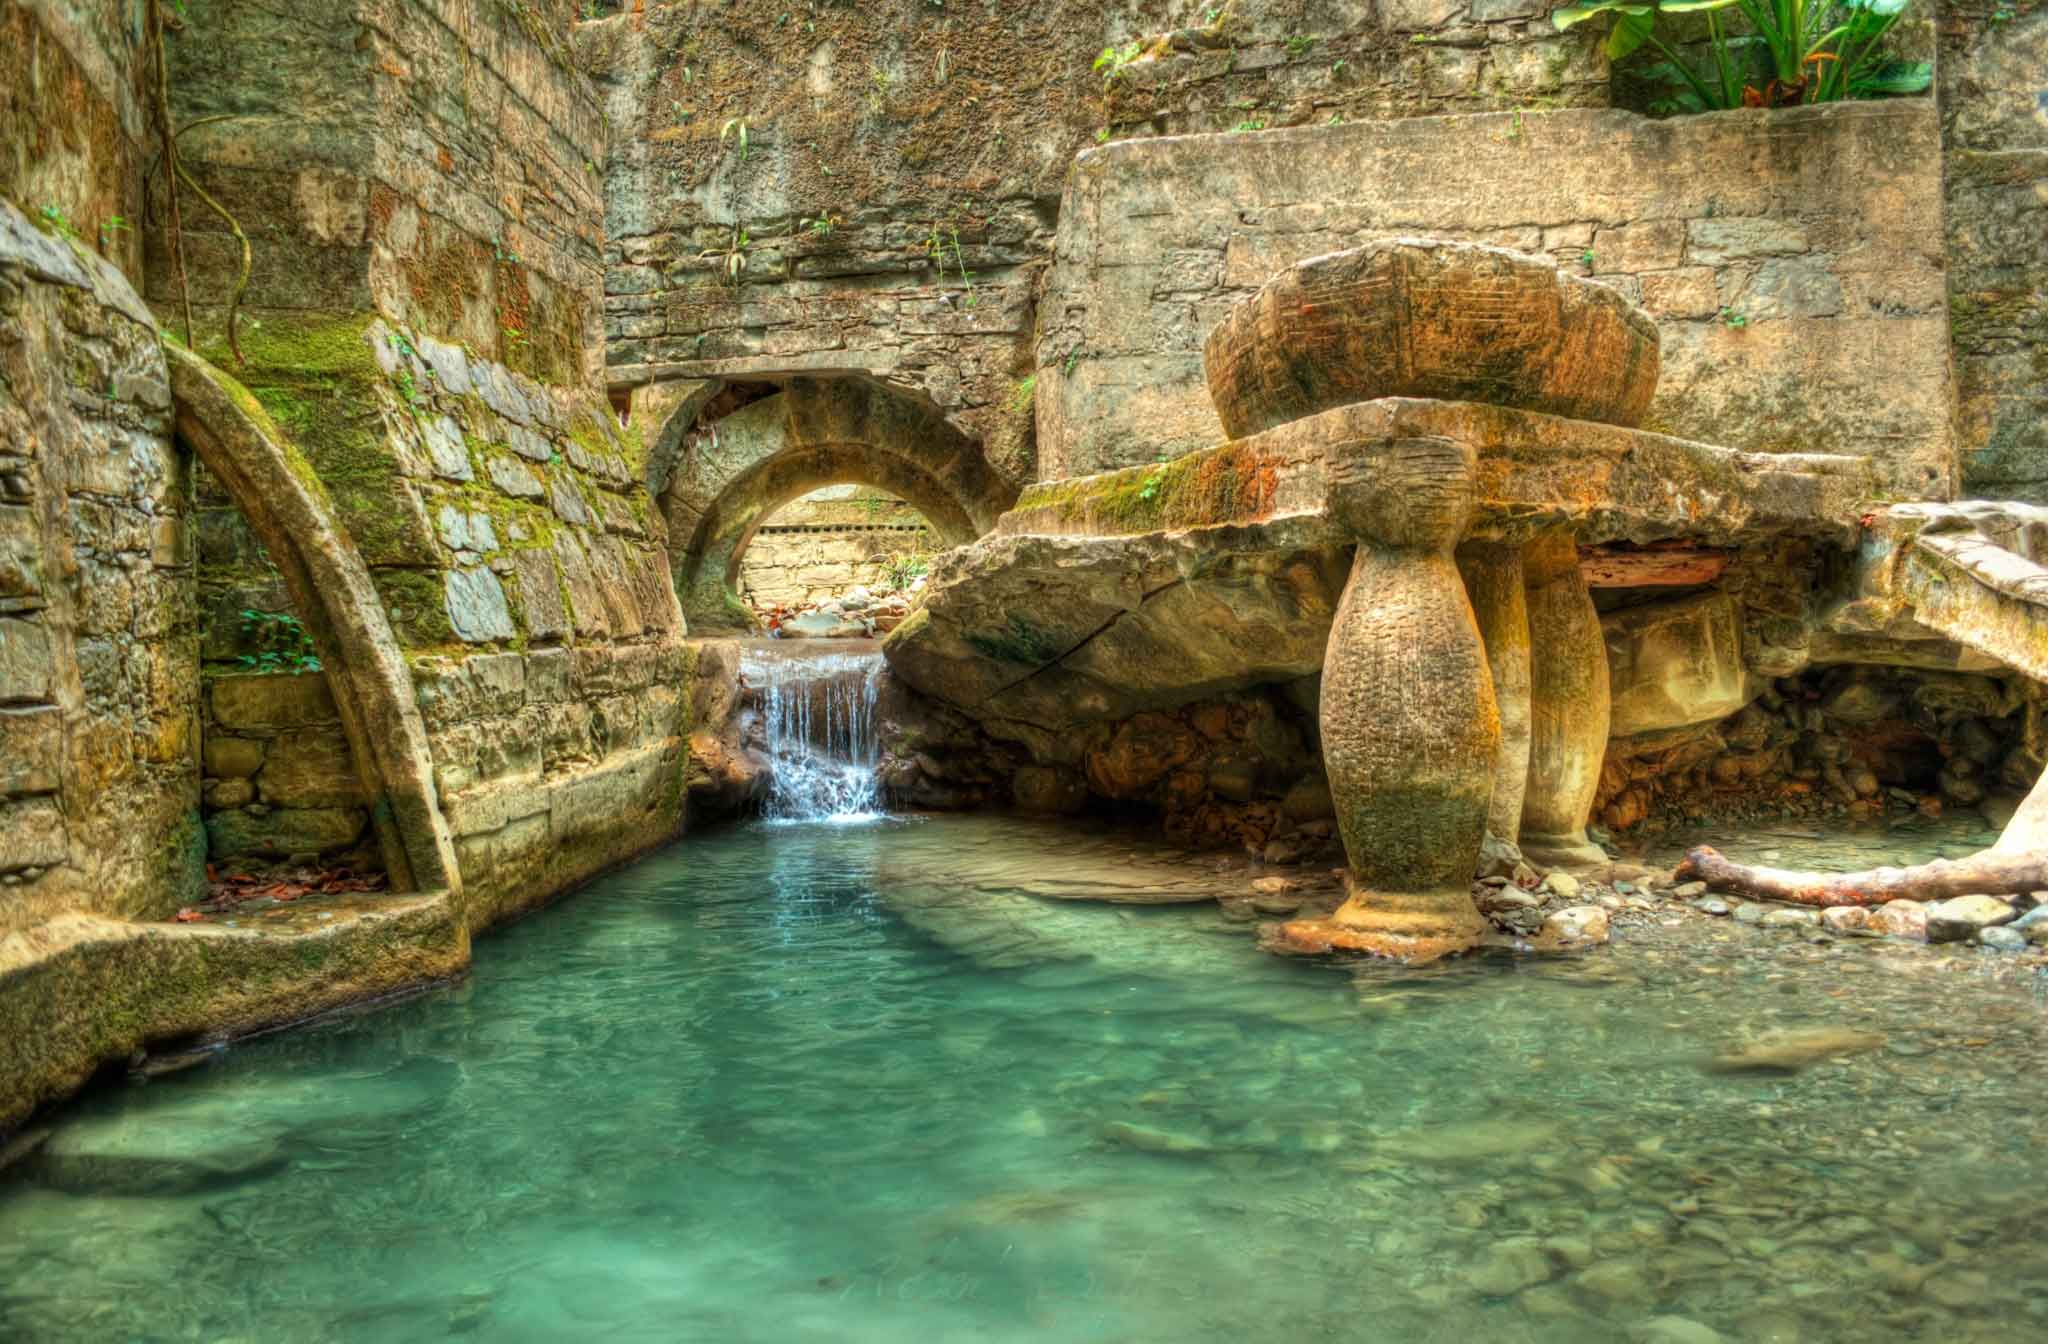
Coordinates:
x,y
1674,664
1410,317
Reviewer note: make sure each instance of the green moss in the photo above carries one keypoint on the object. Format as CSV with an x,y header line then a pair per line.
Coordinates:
x,y
1232,483
416,605
1021,641
296,346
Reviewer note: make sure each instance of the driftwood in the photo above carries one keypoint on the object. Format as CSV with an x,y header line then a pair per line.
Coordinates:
x,y
1987,873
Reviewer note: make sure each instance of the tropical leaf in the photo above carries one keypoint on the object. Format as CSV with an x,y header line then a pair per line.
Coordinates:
x,y
1894,77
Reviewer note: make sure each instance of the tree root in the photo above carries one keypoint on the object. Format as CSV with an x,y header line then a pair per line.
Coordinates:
x,y
1987,873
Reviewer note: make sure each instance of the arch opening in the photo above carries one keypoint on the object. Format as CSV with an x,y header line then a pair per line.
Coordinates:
x,y
833,542
732,473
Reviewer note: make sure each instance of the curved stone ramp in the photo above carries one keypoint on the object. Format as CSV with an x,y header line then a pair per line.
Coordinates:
x,y
279,494
732,474
82,991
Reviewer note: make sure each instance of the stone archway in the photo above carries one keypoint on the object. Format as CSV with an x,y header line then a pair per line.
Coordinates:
x,y
279,494
736,471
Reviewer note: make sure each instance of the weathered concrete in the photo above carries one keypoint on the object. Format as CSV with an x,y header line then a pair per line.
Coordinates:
x,y
1819,230
1494,582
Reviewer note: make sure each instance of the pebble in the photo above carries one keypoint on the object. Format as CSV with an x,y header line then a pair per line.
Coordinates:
x,y
1686,891
1509,1267
2004,939
1561,883
1711,905
1674,1330
1790,919
1750,914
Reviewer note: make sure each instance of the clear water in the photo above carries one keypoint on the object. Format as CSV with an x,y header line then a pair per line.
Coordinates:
x,y
818,729
869,1084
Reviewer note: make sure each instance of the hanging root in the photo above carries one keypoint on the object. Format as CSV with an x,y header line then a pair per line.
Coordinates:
x,y
170,152
1988,873
175,173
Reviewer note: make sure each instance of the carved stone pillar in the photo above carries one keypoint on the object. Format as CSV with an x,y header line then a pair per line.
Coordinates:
x,y
1568,705
1493,581
1410,732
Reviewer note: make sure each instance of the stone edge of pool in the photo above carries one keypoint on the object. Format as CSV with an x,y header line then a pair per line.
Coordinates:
x,y
83,991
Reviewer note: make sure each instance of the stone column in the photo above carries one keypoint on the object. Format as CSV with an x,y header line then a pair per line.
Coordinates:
x,y
1410,731
1568,705
1493,581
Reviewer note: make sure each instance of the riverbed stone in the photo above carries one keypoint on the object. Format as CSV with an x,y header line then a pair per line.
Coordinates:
x,y
1959,919
1900,919
2004,939
1576,926
1508,1267
1845,919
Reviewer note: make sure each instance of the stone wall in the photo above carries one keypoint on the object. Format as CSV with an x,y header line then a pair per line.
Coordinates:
x,y
1993,84
1793,261
419,182
280,780
433,160
892,195
74,118
99,669
801,566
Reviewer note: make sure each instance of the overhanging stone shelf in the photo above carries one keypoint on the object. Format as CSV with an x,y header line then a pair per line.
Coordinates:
x,y
1463,675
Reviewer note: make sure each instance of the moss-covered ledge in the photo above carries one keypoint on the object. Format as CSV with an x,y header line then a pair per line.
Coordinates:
x,y
81,991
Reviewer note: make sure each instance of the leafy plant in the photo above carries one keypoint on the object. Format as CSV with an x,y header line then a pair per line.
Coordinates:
x,y
823,225
1023,394
1110,64
57,222
734,259
1732,318
1797,51
901,570
116,224
281,643
1250,124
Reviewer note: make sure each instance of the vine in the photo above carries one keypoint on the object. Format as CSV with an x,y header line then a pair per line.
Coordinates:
x,y
175,172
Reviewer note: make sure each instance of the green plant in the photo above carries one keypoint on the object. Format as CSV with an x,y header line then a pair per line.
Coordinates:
x,y
902,569
879,81
735,126
1797,51
936,245
57,222
1300,45
1102,135
734,258
823,225
281,643
116,224
1022,395
1732,318
1148,489
1250,124
1110,64
1586,258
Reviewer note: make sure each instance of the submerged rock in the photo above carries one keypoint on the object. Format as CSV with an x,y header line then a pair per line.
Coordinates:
x,y
1791,1051
1147,1139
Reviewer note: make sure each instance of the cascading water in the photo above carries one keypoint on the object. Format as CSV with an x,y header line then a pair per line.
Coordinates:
x,y
818,729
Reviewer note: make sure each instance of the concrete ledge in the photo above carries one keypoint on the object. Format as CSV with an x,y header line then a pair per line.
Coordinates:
x,y
80,991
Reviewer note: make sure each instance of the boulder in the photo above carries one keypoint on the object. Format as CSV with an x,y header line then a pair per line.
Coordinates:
x,y
1049,789
1674,664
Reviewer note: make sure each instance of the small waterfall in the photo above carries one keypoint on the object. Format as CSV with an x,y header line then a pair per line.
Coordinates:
x,y
817,724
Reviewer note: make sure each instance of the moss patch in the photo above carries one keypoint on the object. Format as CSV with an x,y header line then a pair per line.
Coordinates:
x,y
1231,484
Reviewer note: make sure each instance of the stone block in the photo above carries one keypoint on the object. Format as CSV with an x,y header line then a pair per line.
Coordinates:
x,y
1645,245
232,757
1689,291
476,606
446,450
515,478
1672,664
25,665
21,553
31,750
272,701
1715,242
282,832
32,834
310,768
